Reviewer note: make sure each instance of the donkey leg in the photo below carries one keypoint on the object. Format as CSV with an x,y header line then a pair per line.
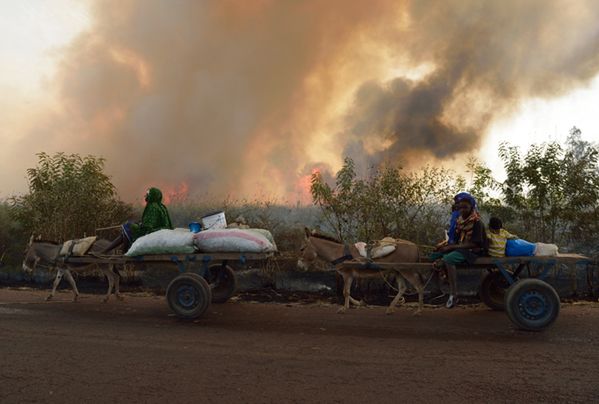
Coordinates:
x,y
110,276
59,273
401,289
415,280
356,302
347,281
420,289
117,282
71,281
353,301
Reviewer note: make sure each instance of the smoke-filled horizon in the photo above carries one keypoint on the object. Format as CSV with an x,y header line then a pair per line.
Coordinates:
x,y
247,97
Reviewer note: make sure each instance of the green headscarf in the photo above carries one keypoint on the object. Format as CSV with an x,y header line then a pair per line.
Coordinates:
x,y
155,216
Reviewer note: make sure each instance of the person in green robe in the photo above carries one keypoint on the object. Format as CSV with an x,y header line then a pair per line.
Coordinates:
x,y
155,217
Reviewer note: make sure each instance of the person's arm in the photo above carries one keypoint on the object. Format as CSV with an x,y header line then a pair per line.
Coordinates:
x,y
476,241
509,235
451,236
467,246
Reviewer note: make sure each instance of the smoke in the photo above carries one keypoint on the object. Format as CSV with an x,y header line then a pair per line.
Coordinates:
x,y
246,97
488,57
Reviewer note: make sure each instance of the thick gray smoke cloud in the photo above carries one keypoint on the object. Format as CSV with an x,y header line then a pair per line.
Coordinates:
x,y
488,57
232,96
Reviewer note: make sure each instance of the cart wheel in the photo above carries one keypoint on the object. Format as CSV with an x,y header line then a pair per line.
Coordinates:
x,y
492,290
532,304
223,283
188,295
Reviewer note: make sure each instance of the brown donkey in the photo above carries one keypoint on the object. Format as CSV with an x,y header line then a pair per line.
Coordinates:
x,y
338,254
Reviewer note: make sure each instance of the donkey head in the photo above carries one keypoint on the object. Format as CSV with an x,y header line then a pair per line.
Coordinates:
x,y
36,252
30,258
307,253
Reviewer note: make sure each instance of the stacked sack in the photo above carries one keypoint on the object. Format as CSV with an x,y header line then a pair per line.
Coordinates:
x,y
178,241
235,240
182,241
381,249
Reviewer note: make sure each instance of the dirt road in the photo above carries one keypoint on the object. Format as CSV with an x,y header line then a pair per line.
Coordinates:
x,y
134,351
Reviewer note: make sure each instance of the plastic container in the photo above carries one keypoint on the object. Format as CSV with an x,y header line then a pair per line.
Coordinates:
x,y
216,220
519,248
195,227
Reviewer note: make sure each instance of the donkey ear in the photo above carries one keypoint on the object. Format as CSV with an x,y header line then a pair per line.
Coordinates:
x,y
308,232
31,239
39,236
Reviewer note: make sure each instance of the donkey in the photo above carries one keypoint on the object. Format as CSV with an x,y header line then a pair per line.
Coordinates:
x,y
45,253
337,253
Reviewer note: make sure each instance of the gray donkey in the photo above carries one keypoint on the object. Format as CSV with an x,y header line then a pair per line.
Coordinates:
x,y
45,253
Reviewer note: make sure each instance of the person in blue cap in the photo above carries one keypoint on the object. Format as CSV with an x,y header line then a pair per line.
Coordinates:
x,y
453,238
455,214
470,242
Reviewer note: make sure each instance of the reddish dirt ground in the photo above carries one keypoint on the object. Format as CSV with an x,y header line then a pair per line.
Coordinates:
x,y
136,351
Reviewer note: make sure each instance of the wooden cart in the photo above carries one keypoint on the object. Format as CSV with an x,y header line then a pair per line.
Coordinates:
x,y
516,285
192,291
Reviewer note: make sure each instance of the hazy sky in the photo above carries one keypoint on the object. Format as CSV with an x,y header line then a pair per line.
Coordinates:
x,y
47,49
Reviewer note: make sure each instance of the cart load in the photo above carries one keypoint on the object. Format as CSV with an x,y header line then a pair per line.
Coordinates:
x,y
235,240
178,241
77,248
182,241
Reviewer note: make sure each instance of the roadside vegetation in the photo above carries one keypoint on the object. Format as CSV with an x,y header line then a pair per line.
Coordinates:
x,y
550,193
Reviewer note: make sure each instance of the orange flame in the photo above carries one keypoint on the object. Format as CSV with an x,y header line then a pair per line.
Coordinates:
x,y
303,186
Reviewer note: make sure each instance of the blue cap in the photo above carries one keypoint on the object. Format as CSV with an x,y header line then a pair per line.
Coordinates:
x,y
195,227
465,196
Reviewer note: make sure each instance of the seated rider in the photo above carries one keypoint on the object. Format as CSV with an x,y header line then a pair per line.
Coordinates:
x,y
470,243
155,217
455,214
498,237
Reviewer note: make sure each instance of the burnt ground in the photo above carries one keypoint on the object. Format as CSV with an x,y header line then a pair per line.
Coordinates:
x,y
136,351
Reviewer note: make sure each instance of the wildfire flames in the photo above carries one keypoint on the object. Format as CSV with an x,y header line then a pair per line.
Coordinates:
x,y
174,193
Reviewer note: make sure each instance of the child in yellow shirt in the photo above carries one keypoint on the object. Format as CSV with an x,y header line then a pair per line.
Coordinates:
x,y
498,237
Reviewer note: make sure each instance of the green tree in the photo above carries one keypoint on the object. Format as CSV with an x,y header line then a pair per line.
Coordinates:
x,y
555,190
338,203
390,202
12,238
581,187
69,196
487,190
534,186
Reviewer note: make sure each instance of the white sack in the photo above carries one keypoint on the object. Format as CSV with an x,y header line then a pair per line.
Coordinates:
x,y
378,251
268,236
382,251
164,241
361,247
546,250
80,248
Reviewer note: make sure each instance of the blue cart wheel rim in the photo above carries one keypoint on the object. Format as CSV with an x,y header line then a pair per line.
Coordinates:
x,y
534,305
188,297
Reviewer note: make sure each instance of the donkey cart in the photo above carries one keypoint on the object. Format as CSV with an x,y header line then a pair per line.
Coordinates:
x,y
203,278
516,285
